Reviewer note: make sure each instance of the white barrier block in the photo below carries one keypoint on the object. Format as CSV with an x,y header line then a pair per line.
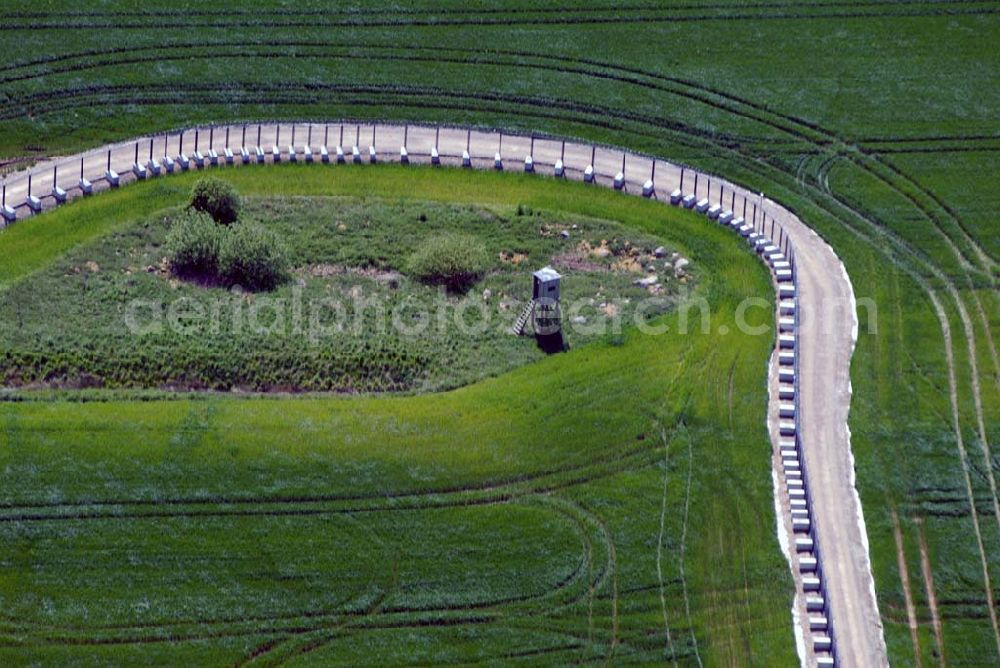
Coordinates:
x,y
786,428
619,181
435,156
647,188
702,205
168,164
198,159
86,187
786,375
714,212
139,171
213,157
497,162
804,544
822,643
801,525
229,156
244,155
786,341
275,154
825,662
559,170
786,358
293,155
111,176
184,162
810,583
259,153
324,154
676,196
786,323
689,201
529,164
34,204
466,159
588,174
9,214
786,291
787,307
404,156
737,223
781,264
725,217
808,565
307,153
818,623
800,512
786,392
786,410
815,603
340,155
356,155
59,194
153,166
372,157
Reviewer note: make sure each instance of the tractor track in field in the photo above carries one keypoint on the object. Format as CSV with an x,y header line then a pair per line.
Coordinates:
x,y
670,651
378,614
598,460
549,9
567,17
904,577
928,575
576,513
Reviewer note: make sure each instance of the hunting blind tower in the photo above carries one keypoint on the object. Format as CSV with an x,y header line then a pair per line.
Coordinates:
x,y
543,309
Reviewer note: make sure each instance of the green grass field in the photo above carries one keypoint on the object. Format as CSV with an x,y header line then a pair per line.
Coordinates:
x,y
544,513
874,121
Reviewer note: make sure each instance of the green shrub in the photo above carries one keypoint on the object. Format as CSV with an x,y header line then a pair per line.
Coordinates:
x,y
217,198
193,244
454,260
253,257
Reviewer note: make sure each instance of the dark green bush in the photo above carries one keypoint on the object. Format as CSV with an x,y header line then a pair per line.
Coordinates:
x,y
253,257
217,198
454,260
192,244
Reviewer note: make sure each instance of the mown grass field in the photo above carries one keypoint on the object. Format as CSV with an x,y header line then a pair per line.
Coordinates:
x,y
552,514
875,121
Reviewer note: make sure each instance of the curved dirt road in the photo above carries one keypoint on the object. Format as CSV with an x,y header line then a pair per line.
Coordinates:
x,y
825,308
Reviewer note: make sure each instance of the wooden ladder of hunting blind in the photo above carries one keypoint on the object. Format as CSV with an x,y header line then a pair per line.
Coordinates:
x,y
522,320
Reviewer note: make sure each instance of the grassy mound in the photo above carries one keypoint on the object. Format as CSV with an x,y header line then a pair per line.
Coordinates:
x,y
151,305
